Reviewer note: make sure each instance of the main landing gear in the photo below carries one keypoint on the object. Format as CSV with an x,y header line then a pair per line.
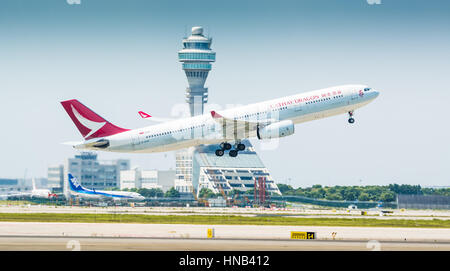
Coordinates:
x,y
224,146
351,119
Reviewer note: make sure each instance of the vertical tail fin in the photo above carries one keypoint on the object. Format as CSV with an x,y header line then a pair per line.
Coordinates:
x,y
74,184
88,122
33,183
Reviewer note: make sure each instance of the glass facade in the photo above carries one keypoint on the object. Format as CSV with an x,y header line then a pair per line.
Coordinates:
x,y
197,56
231,173
96,174
196,45
200,66
198,74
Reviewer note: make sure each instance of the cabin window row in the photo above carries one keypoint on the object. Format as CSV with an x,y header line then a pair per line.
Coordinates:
x,y
176,131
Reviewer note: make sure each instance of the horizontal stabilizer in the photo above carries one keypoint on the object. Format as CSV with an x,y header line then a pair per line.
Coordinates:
x,y
151,118
72,143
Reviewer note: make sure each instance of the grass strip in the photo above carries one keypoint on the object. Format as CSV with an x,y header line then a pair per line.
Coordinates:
x,y
220,220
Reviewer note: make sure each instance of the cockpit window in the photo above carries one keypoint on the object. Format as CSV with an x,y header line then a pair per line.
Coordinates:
x,y
367,89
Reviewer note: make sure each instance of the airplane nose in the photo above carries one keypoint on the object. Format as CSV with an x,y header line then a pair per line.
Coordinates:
x,y
376,93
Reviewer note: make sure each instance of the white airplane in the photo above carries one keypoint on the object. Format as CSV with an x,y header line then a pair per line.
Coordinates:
x,y
77,189
35,193
266,120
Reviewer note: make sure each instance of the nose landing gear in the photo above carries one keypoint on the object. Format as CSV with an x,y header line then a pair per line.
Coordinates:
x,y
351,119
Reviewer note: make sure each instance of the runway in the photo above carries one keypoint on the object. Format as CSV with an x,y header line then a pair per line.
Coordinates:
x,y
63,236
185,237
46,243
255,232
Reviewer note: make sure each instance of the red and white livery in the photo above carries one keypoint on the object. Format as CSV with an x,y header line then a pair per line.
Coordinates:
x,y
266,120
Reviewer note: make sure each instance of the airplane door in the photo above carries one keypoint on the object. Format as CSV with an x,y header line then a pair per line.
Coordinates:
x,y
298,108
136,140
354,96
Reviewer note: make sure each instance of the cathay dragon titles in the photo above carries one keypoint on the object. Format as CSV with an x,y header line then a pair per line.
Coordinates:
x,y
265,120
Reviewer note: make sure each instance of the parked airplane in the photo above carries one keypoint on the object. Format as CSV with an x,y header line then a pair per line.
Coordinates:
x,y
266,120
35,193
77,189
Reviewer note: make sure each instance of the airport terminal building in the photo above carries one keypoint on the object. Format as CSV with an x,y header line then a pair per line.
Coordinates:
x,y
228,173
221,174
149,179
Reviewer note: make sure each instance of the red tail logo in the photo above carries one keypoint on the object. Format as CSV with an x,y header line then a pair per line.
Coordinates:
x,y
144,115
88,122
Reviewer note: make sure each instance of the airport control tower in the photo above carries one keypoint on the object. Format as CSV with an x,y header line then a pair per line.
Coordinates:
x,y
196,57
196,168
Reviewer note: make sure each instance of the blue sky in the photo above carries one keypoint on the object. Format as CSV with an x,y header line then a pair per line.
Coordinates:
x,y
119,57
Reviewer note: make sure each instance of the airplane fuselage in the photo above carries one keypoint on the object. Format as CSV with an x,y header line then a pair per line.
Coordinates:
x,y
204,129
99,194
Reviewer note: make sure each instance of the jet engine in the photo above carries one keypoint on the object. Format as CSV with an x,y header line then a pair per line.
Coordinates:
x,y
276,130
101,144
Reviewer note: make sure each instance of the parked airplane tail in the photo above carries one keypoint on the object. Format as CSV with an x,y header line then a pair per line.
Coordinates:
x,y
74,184
88,122
33,183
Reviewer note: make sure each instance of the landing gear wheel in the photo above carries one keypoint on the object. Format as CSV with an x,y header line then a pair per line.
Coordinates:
x,y
240,147
219,152
351,120
225,146
233,153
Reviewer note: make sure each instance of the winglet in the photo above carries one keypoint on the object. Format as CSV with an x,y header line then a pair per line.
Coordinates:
x,y
144,115
216,115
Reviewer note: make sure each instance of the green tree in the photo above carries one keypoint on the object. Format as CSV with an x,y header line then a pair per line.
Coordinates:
x,y
349,193
363,197
172,193
331,190
151,193
317,193
406,189
285,189
387,196
300,192
333,196
206,193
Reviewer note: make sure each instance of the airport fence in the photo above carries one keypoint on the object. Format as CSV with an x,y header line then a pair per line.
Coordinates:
x,y
335,203
423,202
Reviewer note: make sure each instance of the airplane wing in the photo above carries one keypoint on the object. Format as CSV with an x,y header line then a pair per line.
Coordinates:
x,y
17,194
238,129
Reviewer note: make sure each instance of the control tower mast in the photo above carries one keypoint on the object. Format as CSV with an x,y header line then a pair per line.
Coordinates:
x,y
196,57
